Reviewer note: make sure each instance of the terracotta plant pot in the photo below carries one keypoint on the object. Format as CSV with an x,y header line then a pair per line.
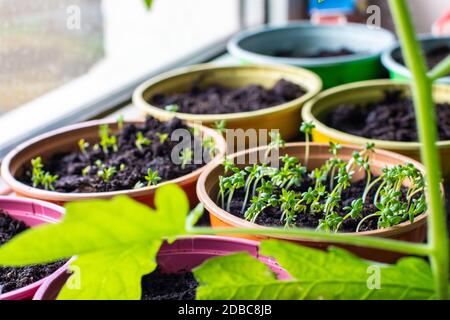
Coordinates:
x,y
399,71
260,44
208,186
363,92
32,213
285,117
182,255
66,140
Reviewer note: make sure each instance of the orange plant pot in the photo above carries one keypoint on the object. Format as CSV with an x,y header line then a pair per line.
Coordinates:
x,y
208,186
66,140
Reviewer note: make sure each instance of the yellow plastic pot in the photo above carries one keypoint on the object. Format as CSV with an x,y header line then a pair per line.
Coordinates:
x,y
363,92
285,117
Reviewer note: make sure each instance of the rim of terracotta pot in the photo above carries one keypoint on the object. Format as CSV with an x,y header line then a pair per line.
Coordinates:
x,y
39,210
310,82
308,112
194,244
235,48
392,65
227,217
32,192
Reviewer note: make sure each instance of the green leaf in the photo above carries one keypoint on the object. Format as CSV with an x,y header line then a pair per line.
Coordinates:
x,y
194,216
111,274
90,226
241,276
338,274
316,274
148,4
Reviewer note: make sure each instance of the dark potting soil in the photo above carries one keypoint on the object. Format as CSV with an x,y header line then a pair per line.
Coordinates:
x,y
392,119
217,99
157,156
169,286
15,278
447,202
271,216
433,56
289,53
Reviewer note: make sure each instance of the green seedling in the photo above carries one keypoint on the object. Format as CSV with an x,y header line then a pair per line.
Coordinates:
x,y
162,137
186,156
172,108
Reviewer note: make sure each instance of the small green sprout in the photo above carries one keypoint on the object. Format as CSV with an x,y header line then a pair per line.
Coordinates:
x,y
162,137
172,108
186,157
209,144
138,185
195,131
141,141
306,128
120,122
122,167
276,142
107,173
152,177
106,140
48,180
83,145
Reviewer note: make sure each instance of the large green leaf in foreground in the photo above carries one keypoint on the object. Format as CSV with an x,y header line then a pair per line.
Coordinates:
x,y
336,274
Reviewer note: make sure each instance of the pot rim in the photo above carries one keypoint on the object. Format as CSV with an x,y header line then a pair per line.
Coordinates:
x,y
187,244
32,192
389,62
141,103
308,115
214,209
235,49
37,214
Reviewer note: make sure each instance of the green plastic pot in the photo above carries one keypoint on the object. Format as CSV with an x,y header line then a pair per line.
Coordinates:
x,y
398,70
363,92
259,44
285,117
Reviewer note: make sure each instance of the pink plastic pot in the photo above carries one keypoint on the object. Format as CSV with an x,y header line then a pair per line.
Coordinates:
x,y
183,254
32,213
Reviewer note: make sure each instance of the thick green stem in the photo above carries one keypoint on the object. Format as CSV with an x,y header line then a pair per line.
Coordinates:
x,y
426,124
354,240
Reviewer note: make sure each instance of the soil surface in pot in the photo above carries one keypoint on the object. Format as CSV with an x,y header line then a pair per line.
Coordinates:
x,y
169,286
292,53
16,278
433,56
79,171
392,119
271,216
217,99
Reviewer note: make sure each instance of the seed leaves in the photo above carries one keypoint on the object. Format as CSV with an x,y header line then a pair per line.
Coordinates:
x,y
336,274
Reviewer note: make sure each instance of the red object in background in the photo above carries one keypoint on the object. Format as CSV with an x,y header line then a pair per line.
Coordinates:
x,y
442,26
